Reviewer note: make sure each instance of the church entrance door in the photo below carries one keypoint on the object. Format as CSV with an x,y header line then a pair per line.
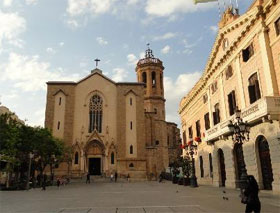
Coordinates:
x,y
94,166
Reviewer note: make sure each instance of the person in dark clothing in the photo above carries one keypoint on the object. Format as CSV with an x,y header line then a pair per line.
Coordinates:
x,y
253,203
88,178
58,183
44,183
39,180
116,176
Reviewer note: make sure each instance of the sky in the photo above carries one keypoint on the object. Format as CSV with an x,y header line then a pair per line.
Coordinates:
x,y
56,40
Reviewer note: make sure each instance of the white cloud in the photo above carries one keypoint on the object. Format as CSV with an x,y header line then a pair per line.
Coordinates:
x,y
61,43
7,3
165,50
175,91
50,50
101,41
167,8
93,7
31,2
142,55
132,2
214,29
31,74
132,59
72,23
11,25
119,74
165,36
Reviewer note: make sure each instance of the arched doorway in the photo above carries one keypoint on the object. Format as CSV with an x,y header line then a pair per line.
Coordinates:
x,y
94,156
222,167
239,162
265,162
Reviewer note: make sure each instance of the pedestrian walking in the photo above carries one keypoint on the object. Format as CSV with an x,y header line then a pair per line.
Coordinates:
x,y
128,177
58,182
111,177
88,178
116,176
44,182
251,197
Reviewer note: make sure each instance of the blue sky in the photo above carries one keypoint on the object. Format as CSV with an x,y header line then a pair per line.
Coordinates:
x,y
45,40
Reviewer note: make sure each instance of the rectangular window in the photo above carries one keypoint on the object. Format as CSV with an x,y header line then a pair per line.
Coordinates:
x,y
207,121
248,53
59,100
130,124
201,166
130,100
197,127
277,26
254,88
190,133
216,114
58,124
231,102
211,165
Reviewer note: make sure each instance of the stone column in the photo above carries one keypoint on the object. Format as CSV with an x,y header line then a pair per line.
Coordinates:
x,y
241,93
268,67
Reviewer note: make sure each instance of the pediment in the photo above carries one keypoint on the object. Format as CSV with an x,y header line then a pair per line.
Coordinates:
x,y
58,91
130,91
94,74
94,136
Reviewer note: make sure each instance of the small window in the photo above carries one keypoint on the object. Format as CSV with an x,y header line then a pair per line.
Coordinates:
x,y
130,124
155,110
59,101
131,165
254,88
168,138
112,158
153,79
190,133
161,82
76,158
232,103
58,124
216,114
130,100
201,166
214,87
225,43
277,26
229,72
248,53
157,142
131,149
205,98
197,126
207,121
144,78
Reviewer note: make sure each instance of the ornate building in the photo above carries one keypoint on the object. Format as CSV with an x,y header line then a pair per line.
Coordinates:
x,y
114,126
243,72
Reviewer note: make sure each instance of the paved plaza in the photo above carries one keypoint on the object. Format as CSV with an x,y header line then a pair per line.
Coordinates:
x,y
103,196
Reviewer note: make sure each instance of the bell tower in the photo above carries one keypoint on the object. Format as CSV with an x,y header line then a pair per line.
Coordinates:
x,y
150,71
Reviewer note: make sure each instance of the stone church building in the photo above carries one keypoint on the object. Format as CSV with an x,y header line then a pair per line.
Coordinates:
x,y
114,126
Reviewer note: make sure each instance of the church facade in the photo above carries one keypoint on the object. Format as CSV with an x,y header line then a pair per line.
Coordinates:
x,y
114,126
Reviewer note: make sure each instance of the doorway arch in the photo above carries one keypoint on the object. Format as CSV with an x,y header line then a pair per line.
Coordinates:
x,y
238,162
265,162
222,168
95,152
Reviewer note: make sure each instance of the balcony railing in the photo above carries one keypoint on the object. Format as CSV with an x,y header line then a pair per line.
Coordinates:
x,y
266,107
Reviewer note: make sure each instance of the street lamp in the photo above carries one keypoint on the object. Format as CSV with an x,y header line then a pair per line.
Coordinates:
x,y
191,148
240,131
30,155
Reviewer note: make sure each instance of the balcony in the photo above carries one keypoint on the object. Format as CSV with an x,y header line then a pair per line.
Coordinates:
x,y
266,108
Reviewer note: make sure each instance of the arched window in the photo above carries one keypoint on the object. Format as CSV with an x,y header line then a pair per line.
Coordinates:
x,y
131,149
112,158
153,79
76,158
144,78
95,113
131,165
254,88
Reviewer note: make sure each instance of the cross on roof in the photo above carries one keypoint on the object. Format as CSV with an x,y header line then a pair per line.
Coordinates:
x,y
96,61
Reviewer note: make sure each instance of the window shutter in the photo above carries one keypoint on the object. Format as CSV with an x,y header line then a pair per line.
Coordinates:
x,y
252,94
257,90
230,104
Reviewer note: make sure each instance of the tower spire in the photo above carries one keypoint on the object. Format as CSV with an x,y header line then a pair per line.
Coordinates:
x,y
149,52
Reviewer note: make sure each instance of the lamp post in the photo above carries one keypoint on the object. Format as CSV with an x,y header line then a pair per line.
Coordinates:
x,y
191,148
240,131
31,155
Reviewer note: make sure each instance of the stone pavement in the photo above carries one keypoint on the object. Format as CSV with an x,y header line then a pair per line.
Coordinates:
x,y
104,196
